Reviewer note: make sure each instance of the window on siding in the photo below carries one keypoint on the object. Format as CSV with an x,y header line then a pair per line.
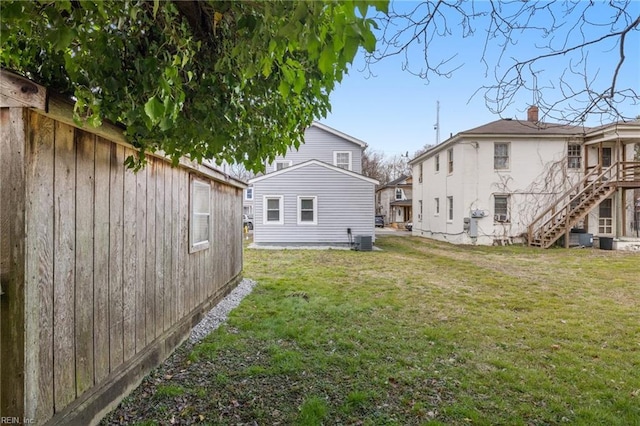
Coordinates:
x,y
307,210
574,156
282,164
450,208
501,155
273,209
200,215
398,194
450,159
420,173
436,206
437,162
501,208
605,220
342,159
248,194
420,210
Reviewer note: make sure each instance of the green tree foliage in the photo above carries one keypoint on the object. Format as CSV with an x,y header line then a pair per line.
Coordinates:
x,y
234,80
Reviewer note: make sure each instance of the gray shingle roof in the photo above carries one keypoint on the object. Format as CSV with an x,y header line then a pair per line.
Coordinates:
x,y
522,127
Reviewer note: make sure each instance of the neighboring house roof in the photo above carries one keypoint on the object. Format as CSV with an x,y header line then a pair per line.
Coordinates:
x,y
405,203
508,127
312,162
400,182
339,134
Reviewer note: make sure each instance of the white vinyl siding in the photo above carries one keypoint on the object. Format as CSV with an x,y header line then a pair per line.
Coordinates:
x,y
343,201
307,210
273,206
200,215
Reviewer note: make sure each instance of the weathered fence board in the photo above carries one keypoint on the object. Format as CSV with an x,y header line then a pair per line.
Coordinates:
x,y
40,263
116,229
101,254
99,280
85,154
64,389
141,250
160,233
150,256
130,258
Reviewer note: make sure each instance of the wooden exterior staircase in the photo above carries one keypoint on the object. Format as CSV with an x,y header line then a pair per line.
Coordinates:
x,y
558,219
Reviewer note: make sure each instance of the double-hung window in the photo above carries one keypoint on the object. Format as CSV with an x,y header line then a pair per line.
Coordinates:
x,y
398,194
248,194
436,206
573,156
342,159
436,160
200,215
307,210
450,209
501,208
450,159
273,210
501,155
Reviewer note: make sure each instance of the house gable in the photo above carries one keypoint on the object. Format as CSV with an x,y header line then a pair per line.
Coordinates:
x,y
324,144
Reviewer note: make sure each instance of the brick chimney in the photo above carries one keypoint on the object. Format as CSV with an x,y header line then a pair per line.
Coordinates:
x,y
532,114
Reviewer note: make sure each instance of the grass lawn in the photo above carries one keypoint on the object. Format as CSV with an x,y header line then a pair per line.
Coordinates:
x,y
419,333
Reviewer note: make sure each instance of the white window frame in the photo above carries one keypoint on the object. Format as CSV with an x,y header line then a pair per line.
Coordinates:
x,y
436,162
285,164
315,210
449,209
248,191
335,159
501,158
197,186
436,207
399,191
502,215
420,211
450,160
605,223
265,211
574,156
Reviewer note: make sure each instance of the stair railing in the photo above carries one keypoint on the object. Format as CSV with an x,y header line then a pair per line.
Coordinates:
x,y
561,216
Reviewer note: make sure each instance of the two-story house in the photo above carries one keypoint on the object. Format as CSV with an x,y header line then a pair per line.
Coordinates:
x,y
527,181
393,201
315,194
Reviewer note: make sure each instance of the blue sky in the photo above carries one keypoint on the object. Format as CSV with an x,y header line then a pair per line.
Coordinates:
x,y
395,111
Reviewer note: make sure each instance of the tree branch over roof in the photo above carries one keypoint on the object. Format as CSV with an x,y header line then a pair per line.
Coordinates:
x,y
562,53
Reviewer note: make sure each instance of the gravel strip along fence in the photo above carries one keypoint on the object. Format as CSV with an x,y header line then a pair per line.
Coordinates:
x,y
219,313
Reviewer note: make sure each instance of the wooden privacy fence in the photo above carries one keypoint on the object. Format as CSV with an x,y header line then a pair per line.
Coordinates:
x,y
101,278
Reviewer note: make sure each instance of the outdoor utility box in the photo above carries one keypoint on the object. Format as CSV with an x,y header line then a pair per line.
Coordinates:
x,y
585,240
363,243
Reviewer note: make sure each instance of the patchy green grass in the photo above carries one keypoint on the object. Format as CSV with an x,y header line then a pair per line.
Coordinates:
x,y
423,333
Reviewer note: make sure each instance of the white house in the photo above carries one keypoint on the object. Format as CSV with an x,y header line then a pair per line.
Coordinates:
x,y
315,194
393,201
526,181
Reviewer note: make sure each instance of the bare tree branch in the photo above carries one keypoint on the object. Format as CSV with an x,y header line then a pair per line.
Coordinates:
x,y
566,76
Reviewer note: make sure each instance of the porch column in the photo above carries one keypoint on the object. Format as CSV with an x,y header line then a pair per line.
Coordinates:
x,y
619,208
